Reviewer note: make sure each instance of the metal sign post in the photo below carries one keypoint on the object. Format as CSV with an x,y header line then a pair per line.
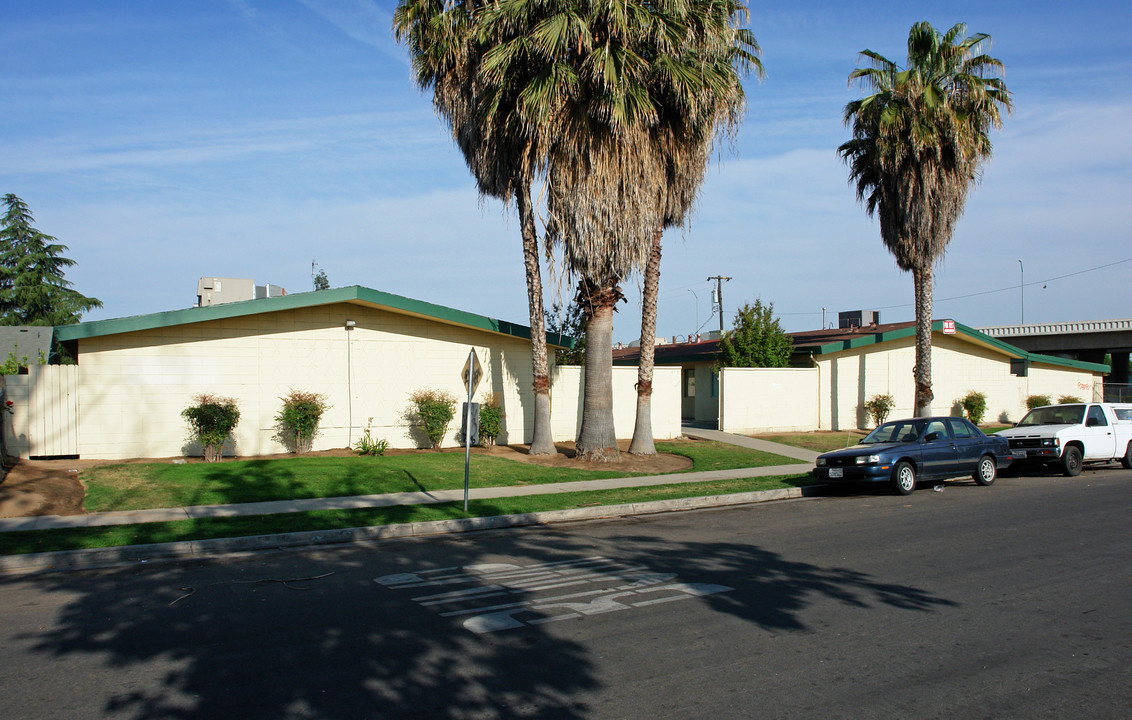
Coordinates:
x,y
471,375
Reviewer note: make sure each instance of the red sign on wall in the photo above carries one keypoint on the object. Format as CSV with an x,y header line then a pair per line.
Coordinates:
x,y
948,327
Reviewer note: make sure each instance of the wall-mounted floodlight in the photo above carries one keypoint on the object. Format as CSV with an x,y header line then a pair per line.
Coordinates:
x,y
350,324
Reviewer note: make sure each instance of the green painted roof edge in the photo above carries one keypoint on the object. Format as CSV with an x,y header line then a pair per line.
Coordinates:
x,y
243,308
960,328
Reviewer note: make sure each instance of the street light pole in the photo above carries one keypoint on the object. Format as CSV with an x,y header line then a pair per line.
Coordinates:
x,y
1022,289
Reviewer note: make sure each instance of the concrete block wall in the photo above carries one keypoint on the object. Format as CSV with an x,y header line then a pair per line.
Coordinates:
x,y
848,379
134,386
768,400
566,402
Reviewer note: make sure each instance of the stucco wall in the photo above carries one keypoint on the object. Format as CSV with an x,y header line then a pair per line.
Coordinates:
x,y
851,377
566,402
768,400
133,386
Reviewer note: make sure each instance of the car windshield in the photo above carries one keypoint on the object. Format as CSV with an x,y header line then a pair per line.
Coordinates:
x,y
1054,415
898,431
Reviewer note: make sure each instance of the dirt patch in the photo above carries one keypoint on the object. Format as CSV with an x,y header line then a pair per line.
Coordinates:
x,y
52,487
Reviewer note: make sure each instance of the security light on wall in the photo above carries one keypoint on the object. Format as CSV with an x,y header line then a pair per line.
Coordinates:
x,y
350,324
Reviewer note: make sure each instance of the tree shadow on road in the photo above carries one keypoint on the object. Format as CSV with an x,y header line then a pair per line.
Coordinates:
x,y
310,634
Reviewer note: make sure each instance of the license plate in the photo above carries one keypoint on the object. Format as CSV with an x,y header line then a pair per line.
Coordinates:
x,y
1018,454
836,472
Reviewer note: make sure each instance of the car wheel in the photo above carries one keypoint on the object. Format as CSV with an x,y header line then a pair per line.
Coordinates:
x,y
987,471
904,478
1126,461
1071,461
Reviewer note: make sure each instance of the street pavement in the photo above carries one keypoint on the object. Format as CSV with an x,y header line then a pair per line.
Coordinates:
x,y
1002,602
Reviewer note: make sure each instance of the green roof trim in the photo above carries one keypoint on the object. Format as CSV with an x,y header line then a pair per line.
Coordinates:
x,y
353,294
960,329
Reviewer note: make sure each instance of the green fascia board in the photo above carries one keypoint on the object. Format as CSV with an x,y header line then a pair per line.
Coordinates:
x,y
352,294
960,329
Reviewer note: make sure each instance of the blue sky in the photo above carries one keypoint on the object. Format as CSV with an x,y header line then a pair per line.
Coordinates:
x,y
247,138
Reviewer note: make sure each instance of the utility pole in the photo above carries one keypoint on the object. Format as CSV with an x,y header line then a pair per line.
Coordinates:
x,y
719,297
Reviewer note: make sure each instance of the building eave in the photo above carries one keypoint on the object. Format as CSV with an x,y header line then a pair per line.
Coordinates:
x,y
354,294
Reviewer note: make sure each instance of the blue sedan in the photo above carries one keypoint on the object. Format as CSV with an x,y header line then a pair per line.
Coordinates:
x,y
902,452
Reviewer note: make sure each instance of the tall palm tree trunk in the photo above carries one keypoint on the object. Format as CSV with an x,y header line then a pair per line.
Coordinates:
x,y
542,442
597,438
922,279
642,443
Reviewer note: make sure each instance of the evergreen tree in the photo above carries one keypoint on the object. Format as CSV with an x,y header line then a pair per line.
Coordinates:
x,y
756,340
568,321
33,290
321,282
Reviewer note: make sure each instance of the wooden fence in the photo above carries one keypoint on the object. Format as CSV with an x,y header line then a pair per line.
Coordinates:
x,y
46,412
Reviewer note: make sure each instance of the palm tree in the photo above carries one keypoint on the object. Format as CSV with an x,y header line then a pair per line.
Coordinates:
x,y
448,48
642,86
685,139
918,142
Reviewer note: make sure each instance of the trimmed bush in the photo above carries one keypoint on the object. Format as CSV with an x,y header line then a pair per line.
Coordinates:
x,y
211,420
431,411
1069,400
879,406
297,422
1037,401
975,405
491,419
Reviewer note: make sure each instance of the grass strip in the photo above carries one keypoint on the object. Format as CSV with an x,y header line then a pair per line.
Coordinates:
x,y
159,485
32,541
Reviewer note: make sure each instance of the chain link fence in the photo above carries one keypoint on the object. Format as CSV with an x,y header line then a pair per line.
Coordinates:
x,y
1118,392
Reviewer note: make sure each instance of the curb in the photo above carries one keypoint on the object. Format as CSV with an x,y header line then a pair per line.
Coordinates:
x,y
108,557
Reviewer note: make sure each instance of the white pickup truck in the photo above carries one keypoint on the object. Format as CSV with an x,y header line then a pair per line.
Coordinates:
x,y
1072,435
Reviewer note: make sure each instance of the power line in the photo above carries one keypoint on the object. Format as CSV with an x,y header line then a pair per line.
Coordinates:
x,y
989,292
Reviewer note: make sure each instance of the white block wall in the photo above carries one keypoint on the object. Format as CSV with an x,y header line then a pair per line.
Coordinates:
x,y
768,400
134,386
958,366
566,402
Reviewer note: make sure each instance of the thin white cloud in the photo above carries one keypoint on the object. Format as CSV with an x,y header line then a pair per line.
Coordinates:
x,y
362,20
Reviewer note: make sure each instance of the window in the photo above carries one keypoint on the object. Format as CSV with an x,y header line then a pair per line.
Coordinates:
x,y
936,426
959,428
1096,417
715,384
689,382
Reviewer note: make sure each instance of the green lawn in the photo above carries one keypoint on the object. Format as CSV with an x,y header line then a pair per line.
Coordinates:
x,y
159,485
818,441
13,543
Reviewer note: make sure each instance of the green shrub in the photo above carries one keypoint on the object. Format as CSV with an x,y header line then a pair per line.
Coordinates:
x,y
975,405
1069,400
298,420
1037,401
211,420
366,445
431,411
491,419
879,406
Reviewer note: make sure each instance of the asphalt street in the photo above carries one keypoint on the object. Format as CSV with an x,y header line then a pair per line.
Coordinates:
x,y
1002,602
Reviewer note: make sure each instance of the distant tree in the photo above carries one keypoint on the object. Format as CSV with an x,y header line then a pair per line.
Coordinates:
x,y
320,281
33,290
568,321
756,340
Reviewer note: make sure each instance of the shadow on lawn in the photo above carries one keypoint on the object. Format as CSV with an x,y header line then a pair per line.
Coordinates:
x,y
310,634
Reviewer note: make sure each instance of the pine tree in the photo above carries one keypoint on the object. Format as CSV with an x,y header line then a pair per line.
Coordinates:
x,y
33,290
